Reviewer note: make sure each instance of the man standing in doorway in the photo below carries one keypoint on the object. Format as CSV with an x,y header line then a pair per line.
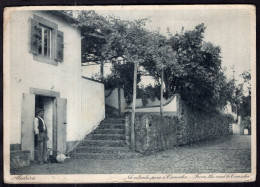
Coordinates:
x,y
41,137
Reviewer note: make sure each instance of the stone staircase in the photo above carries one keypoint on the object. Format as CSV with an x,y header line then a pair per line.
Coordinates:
x,y
105,142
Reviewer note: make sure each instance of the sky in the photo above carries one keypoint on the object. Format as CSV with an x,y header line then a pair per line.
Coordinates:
x,y
229,27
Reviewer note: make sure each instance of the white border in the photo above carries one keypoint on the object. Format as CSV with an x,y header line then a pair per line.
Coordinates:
x,y
124,178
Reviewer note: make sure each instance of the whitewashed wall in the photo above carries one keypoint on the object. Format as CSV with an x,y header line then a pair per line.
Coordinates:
x,y
91,71
112,99
64,78
172,107
93,106
154,102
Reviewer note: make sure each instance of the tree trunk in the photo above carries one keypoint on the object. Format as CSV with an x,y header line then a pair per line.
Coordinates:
x,y
161,100
133,110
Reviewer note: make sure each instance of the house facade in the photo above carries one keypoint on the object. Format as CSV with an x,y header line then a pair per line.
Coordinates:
x,y
42,68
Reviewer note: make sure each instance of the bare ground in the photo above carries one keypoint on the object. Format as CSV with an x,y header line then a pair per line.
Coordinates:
x,y
229,154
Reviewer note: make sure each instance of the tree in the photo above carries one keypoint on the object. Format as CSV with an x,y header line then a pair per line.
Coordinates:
x,y
197,76
164,56
245,105
122,77
149,92
94,27
247,81
240,94
124,40
157,57
184,63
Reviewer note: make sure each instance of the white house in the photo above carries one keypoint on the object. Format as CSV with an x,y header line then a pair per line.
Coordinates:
x,y
43,68
231,109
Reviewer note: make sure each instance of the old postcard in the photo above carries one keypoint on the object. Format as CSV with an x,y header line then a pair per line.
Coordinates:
x,y
130,94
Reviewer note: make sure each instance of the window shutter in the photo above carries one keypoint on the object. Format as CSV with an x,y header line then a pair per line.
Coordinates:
x,y
60,46
35,36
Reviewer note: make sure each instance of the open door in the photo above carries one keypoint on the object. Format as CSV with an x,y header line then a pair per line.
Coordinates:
x,y
27,117
61,124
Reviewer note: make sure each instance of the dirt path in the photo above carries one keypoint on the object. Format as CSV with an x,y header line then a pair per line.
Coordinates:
x,y
224,155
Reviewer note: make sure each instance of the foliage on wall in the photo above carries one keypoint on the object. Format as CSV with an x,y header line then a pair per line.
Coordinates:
x,y
154,133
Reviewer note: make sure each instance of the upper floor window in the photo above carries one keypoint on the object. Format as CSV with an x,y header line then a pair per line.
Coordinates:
x,y
44,46
46,41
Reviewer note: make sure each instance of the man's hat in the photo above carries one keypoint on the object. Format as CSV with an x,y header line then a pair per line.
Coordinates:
x,y
38,110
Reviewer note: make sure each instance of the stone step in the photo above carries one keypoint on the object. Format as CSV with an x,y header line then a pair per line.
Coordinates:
x,y
109,131
108,137
114,120
111,126
105,143
109,150
106,156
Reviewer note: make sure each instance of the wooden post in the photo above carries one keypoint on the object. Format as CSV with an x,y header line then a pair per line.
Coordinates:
x,y
119,101
161,101
133,110
102,70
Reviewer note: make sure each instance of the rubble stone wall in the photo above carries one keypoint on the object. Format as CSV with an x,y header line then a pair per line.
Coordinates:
x,y
154,133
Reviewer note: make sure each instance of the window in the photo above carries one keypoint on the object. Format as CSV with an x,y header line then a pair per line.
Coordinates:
x,y
44,46
46,41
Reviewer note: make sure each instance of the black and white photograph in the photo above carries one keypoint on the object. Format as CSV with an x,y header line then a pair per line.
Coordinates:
x,y
122,94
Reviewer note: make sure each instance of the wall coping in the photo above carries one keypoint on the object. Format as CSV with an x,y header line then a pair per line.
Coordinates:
x,y
94,80
170,100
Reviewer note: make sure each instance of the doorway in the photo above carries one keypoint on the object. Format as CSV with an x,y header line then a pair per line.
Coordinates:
x,y
47,104
55,117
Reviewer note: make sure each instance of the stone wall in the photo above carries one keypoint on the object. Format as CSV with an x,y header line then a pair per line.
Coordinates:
x,y
201,127
153,133
19,158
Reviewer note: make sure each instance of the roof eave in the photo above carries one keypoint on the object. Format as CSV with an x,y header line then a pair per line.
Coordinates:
x,y
62,15
72,20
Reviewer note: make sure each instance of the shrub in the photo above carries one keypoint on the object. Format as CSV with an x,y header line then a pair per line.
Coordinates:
x,y
246,122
